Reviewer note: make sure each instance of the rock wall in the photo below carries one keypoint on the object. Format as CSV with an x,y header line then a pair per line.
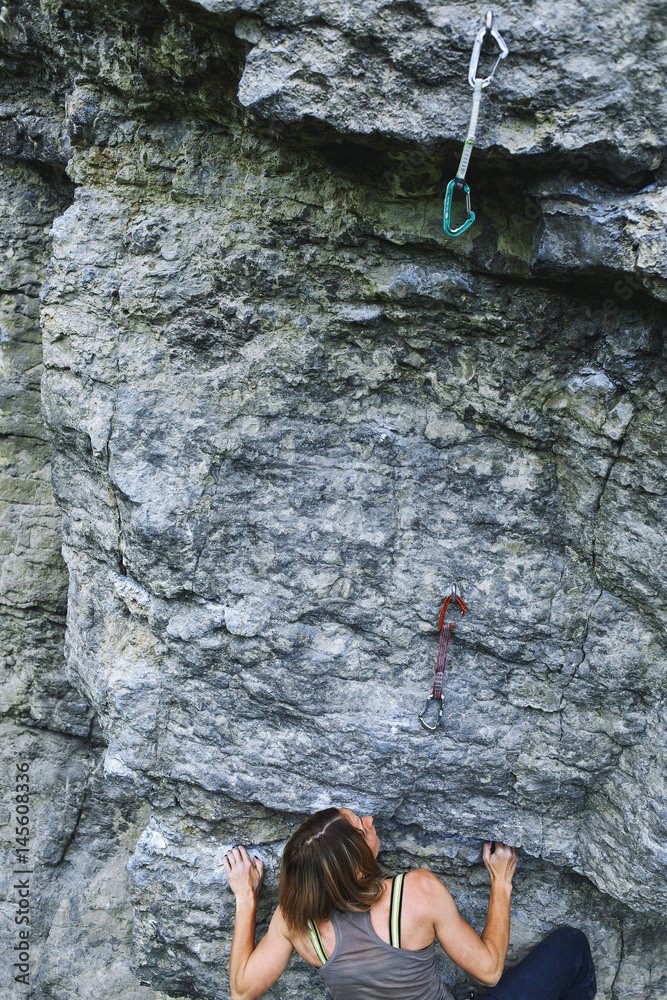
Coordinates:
x,y
83,826
287,411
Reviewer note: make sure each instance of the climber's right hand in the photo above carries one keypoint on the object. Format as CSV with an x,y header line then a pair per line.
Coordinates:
x,y
502,863
243,873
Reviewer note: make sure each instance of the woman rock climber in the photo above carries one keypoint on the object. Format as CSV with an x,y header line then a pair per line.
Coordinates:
x,y
372,938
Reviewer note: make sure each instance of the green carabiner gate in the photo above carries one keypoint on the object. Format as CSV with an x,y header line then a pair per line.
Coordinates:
x,y
447,218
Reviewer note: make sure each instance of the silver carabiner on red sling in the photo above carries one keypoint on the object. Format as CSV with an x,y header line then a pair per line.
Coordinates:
x,y
453,605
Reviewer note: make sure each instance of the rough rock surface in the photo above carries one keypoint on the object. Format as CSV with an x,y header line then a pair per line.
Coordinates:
x,y
287,411
376,68
83,825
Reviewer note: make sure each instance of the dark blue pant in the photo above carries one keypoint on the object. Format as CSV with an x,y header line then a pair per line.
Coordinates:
x,y
558,968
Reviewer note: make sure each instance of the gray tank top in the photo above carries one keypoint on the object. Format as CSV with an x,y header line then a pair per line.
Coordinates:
x,y
364,967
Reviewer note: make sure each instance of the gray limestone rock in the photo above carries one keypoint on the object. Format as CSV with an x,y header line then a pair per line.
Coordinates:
x,y
400,71
585,229
253,607
82,827
287,411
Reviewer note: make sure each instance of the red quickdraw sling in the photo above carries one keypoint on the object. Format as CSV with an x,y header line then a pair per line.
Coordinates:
x,y
432,711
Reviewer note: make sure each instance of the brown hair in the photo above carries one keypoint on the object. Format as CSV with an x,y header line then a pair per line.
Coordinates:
x,y
327,864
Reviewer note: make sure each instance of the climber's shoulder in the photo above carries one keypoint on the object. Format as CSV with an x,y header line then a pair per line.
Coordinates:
x,y
423,879
425,888
279,925
426,907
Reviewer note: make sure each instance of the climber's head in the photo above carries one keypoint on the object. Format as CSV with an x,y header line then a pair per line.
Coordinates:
x,y
329,863
365,825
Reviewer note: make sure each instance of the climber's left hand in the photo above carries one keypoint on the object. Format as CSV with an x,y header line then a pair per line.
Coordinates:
x,y
244,873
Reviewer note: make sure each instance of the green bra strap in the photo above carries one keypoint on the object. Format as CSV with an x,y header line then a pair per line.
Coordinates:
x,y
314,932
395,911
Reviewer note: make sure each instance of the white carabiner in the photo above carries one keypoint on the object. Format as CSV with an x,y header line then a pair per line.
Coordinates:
x,y
477,48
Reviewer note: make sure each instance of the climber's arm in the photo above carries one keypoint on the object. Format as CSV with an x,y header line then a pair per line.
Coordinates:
x,y
483,957
252,970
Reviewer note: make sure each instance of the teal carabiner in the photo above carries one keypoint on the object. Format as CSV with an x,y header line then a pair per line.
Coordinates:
x,y
447,217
